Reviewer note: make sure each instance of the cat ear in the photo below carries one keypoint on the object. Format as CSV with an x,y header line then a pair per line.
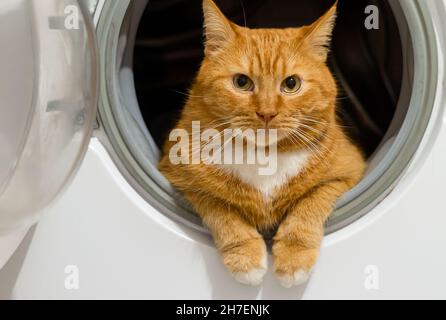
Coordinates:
x,y
319,34
218,29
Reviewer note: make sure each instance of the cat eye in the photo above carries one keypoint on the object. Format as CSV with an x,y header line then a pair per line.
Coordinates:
x,y
291,84
243,82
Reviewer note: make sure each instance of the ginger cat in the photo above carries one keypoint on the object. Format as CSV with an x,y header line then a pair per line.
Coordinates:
x,y
274,79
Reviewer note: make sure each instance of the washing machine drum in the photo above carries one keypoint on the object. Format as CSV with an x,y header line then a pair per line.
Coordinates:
x,y
367,62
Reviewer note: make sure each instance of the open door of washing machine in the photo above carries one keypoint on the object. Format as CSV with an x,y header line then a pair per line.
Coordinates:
x,y
48,102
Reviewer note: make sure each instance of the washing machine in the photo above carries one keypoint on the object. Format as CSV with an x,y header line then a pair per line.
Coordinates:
x,y
89,91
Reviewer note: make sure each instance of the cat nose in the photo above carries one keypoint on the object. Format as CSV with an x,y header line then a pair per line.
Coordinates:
x,y
267,116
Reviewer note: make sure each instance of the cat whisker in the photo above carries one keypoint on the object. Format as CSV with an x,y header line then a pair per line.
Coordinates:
x,y
319,144
244,14
311,120
307,119
215,127
186,94
218,153
299,139
315,149
315,131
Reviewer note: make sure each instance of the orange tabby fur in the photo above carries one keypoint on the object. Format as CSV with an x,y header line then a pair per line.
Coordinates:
x,y
236,213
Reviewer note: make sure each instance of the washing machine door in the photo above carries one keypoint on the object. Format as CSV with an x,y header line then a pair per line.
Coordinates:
x,y
48,101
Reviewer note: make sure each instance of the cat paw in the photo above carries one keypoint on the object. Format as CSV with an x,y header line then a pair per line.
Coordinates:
x,y
292,264
248,262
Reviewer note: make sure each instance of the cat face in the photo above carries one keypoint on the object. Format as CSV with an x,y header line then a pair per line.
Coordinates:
x,y
267,78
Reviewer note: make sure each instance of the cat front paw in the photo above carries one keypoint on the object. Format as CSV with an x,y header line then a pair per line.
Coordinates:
x,y
247,262
293,264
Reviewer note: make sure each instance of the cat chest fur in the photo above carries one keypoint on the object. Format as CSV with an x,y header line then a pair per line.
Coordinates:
x,y
289,165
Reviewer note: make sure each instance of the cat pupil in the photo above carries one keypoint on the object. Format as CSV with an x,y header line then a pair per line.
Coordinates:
x,y
291,83
242,81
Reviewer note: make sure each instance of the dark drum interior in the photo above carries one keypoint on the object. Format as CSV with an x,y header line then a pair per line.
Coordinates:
x,y
366,63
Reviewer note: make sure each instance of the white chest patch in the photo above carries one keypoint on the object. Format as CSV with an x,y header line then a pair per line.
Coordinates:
x,y
289,165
